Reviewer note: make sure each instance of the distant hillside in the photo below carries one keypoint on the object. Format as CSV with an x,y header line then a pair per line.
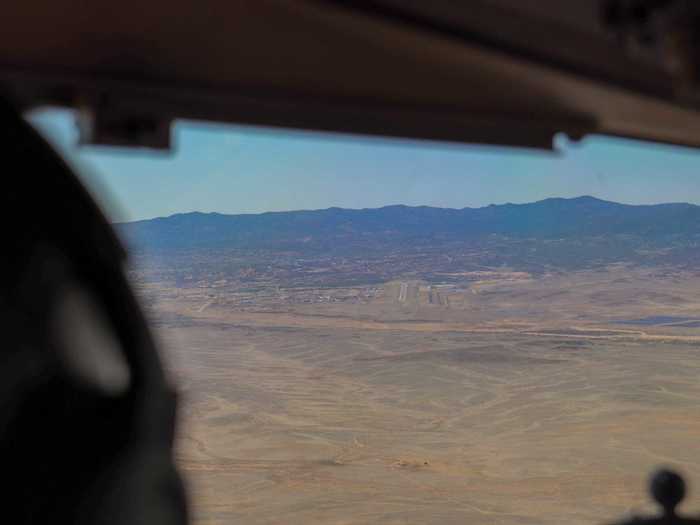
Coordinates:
x,y
345,229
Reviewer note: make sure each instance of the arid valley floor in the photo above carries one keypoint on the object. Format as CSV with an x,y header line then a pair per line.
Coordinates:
x,y
510,399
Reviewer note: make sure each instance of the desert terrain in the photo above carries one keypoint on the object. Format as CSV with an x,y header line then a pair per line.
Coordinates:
x,y
495,397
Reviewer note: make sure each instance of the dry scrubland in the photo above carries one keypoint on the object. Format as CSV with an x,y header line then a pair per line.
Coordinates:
x,y
509,400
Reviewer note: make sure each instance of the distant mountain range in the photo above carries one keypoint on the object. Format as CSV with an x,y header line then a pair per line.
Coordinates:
x,y
391,226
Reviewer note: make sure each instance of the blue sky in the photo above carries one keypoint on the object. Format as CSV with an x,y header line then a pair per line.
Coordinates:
x,y
237,169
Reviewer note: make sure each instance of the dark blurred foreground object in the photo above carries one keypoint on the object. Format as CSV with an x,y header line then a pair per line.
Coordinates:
x,y
507,72
668,490
86,415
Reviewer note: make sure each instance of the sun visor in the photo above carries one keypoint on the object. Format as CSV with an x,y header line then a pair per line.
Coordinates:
x,y
314,65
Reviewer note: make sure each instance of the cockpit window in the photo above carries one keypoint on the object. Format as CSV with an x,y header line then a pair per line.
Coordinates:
x,y
378,331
